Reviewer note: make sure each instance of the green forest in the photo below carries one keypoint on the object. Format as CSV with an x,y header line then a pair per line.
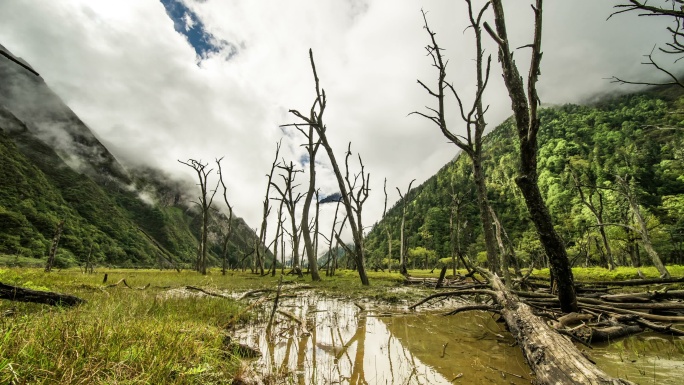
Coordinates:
x,y
635,137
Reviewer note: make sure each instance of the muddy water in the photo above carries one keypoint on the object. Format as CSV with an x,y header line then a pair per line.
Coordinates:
x,y
646,358
338,343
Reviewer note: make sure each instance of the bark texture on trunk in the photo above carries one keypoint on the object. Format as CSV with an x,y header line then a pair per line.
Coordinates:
x,y
553,245
554,358
524,104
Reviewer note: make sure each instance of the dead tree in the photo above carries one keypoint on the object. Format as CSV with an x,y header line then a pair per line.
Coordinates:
x,y
229,231
402,244
457,201
675,47
312,147
315,120
552,357
276,241
641,229
89,265
358,196
204,202
332,262
55,244
267,210
316,223
290,200
387,231
597,210
525,105
474,119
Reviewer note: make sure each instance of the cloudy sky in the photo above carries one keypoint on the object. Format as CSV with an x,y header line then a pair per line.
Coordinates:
x,y
164,80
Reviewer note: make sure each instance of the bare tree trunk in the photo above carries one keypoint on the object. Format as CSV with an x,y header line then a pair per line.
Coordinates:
x,y
229,231
525,111
485,216
291,201
267,209
598,214
402,243
55,244
312,149
474,120
642,228
88,266
205,201
279,233
316,225
502,250
387,231
332,261
316,121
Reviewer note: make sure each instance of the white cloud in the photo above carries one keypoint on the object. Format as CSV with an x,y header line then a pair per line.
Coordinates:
x,y
134,80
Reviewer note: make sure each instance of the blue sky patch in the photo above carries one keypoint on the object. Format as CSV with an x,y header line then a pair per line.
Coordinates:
x,y
187,23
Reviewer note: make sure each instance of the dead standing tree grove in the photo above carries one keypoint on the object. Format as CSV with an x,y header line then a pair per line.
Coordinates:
x,y
309,246
524,105
266,212
315,120
204,202
358,196
290,200
471,143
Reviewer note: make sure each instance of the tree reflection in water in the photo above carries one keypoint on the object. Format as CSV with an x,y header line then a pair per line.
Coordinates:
x,y
340,344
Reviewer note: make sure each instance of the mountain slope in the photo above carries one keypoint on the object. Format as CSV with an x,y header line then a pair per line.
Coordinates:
x,y
53,168
639,136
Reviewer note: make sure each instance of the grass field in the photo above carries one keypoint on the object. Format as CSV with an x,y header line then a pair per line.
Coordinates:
x,y
159,334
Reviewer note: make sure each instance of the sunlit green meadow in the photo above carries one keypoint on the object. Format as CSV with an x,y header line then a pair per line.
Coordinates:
x,y
162,334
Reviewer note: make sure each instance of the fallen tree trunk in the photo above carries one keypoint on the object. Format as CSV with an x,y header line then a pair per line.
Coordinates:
x,y
632,282
552,357
14,293
644,297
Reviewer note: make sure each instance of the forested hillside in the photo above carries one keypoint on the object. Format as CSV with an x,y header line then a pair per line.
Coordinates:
x,y
584,154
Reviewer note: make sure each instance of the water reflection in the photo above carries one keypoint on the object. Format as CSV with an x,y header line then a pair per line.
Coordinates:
x,y
338,343
645,358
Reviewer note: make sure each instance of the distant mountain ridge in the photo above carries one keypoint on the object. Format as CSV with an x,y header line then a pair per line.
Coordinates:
x,y
54,168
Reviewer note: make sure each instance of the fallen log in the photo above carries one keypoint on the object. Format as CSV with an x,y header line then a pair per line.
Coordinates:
x,y
552,357
632,282
665,329
638,305
15,293
613,332
195,288
628,282
644,297
652,317
451,293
